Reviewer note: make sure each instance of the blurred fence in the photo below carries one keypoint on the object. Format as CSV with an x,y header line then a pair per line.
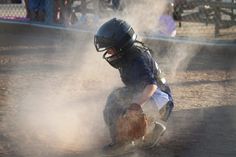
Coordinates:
x,y
12,11
193,18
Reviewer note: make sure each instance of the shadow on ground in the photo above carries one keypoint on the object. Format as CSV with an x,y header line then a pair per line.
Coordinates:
x,y
199,133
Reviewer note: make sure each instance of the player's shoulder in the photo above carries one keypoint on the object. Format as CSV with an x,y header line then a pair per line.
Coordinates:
x,y
139,54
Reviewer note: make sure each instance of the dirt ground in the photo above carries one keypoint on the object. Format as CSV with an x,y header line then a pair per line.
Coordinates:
x,y
203,83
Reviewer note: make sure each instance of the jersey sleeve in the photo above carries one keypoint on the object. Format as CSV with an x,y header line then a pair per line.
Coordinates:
x,y
144,70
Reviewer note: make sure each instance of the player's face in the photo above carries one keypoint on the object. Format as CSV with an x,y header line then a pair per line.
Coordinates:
x,y
111,51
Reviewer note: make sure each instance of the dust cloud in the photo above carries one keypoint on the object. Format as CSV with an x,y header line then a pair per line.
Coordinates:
x,y
60,109
181,55
144,15
144,18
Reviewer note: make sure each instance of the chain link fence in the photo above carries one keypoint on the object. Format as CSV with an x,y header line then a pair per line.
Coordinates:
x,y
11,10
209,18
214,19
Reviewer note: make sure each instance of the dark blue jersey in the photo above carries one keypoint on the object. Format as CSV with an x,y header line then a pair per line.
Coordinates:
x,y
138,68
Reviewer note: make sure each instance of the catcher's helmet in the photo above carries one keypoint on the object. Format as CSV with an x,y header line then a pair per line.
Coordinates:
x,y
114,33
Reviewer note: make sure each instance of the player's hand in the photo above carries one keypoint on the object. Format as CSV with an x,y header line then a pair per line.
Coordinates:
x,y
135,107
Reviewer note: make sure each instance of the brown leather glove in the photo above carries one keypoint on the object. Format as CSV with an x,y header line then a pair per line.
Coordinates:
x,y
132,125
135,107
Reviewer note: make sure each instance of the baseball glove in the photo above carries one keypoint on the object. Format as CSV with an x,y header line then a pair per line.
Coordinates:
x,y
132,125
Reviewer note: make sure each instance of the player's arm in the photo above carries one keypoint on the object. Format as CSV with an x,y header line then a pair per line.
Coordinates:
x,y
145,94
145,76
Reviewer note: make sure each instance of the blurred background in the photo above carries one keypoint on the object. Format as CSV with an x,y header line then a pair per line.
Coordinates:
x,y
210,19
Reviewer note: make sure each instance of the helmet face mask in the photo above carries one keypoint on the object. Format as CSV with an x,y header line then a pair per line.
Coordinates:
x,y
115,60
102,44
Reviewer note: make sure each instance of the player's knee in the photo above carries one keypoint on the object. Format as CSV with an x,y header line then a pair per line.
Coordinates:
x,y
166,111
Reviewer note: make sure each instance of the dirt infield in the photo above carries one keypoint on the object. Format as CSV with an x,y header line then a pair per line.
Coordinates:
x,y
53,89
